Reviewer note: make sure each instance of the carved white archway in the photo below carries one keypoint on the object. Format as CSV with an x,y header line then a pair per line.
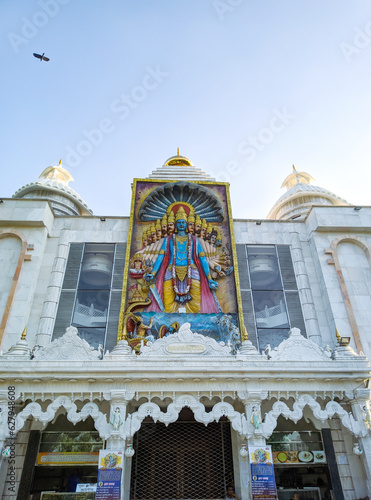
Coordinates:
x,y
332,408
34,409
222,409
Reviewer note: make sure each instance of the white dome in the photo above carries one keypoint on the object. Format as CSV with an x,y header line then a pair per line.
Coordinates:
x,y
300,196
53,186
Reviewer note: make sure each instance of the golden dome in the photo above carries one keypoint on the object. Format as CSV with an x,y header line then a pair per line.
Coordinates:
x,y
178,160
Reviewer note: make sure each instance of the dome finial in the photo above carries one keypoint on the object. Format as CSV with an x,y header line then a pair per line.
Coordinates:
x,y
24,333
178,160
296,178
338,336
177,151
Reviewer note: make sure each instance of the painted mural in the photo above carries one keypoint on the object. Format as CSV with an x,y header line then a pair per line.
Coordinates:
x,y
180,266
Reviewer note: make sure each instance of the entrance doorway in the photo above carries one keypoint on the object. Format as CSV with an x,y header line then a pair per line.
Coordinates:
x,y
185,460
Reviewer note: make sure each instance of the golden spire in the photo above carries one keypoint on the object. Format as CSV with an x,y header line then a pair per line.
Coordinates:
x,y
24,333
294,169
338,336
177,151
60,162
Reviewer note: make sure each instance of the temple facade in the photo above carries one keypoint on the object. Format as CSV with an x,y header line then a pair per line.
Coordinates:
x,y
184,340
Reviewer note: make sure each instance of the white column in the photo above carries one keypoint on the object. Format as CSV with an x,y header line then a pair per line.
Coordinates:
x,y
309,312
118,402
49,309
361,412
252,401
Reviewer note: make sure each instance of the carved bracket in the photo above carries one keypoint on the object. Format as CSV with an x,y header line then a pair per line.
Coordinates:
x,y
331,408
89,409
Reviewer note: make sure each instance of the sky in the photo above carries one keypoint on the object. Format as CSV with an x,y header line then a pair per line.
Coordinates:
x,y
245,89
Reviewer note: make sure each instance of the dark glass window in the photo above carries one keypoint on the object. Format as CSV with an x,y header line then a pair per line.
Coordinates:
x,y
91,308
96,268
270,309
92,300
264,268
91,292
269,287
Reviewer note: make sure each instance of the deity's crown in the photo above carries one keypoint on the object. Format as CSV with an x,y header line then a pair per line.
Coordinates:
x,y
158,224
204,223
153,228
198,219
164,220
171,217
181,214
191,217
209,228
144,235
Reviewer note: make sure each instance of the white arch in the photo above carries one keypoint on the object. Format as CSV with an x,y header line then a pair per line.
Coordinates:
x,y
331,408
89,409
221,409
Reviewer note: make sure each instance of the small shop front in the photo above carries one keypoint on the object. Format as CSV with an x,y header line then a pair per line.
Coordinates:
x,y
301,464
63,459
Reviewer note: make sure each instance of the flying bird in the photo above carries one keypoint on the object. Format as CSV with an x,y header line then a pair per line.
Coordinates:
x,y
41,57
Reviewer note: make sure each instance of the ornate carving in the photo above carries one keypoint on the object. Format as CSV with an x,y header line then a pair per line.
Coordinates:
x,y
21,348
331,408
346,353
186,342
121,349
134,421
89,409
248,349
69,347
296,348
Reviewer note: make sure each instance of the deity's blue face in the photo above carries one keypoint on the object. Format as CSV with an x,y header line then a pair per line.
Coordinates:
x,y
181,225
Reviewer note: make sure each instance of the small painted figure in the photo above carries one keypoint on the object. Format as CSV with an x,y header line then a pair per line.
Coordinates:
x,y
116,420
255,417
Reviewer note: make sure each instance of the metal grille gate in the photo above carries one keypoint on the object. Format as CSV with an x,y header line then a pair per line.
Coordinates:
x,y
185,460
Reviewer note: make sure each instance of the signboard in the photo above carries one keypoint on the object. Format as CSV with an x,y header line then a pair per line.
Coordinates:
x,y
263,484
299,457
51,495
86,487
67,458
109,475
180,263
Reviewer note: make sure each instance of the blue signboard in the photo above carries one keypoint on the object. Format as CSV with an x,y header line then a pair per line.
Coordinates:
x,y
263,484
109,475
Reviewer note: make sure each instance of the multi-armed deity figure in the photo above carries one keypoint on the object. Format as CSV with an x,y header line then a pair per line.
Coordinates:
x,y
182,274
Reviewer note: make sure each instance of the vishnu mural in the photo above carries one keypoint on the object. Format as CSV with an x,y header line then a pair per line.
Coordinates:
x,y
181,263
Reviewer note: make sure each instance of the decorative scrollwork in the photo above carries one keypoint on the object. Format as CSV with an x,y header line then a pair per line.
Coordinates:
x,y
332,408
89,409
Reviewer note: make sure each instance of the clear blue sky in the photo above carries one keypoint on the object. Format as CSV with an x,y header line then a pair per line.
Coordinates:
x,y
244,88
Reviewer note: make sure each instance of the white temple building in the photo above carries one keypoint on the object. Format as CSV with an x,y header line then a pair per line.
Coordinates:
x,y
288,367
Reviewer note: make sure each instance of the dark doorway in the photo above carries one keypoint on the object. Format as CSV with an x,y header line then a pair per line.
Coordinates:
x,y
184,460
